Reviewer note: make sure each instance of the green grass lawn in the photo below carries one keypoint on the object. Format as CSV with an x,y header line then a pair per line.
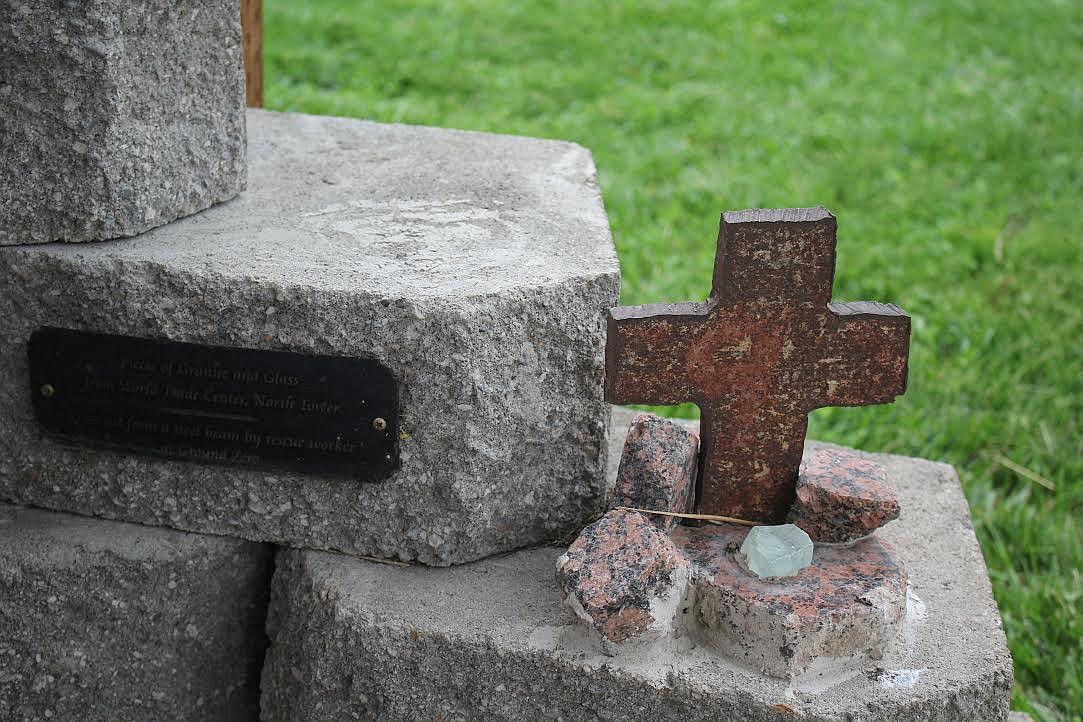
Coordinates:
x,y
947,140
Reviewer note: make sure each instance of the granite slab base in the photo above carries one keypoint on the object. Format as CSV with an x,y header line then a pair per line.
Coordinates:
x,y
354,639
103,621
840,610
477,268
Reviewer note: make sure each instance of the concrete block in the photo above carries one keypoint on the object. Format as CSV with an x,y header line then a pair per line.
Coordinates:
x,y
478,268
491,640
117,116
107,621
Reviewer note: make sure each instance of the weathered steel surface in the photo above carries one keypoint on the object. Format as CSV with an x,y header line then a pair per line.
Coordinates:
x,y
763,351
252,34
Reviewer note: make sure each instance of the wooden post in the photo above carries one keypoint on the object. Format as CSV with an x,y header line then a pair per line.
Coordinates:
x,y
252,30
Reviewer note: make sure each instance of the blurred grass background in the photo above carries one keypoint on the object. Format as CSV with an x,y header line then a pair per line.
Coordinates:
x,y
946,137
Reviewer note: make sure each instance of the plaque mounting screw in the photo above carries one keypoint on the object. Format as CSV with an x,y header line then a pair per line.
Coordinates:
x,y
48,391
379,423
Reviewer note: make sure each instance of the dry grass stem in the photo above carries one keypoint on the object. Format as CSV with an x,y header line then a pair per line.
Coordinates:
x,y
1021,470
714,518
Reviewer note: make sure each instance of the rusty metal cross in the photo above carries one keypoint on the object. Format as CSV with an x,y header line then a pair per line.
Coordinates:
x,y
763,351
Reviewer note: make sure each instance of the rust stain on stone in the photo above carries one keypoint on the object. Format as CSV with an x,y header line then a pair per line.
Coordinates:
x,y
763,351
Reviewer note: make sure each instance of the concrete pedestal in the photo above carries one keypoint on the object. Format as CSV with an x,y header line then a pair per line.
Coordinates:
x,y
477,268
491,640
104,621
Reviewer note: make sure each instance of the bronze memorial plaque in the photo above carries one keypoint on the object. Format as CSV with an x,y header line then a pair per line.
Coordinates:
x,y
244,407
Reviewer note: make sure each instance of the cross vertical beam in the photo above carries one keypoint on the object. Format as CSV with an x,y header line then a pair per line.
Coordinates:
x,y
252,34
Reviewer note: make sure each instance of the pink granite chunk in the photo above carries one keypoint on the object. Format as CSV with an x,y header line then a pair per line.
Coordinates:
x,y
624,577
845,605
658,468
842,496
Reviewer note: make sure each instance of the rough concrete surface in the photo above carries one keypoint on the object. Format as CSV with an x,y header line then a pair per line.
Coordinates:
x,y
477,267
117,116
107,621
491,641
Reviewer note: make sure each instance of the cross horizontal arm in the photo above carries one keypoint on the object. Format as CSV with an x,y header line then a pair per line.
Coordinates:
x,y
861,356
646,353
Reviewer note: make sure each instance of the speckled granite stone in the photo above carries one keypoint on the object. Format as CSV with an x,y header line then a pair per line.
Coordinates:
x,y
491,640
624,577
102,621
842,496
846,605
117,116
478,268
658,468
